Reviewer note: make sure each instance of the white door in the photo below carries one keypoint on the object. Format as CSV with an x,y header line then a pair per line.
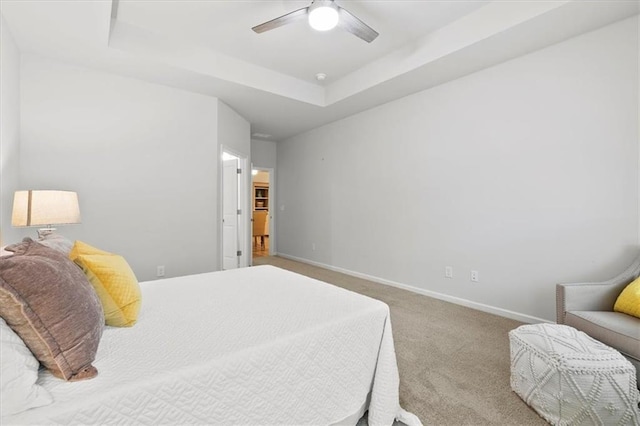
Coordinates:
x,y
230,214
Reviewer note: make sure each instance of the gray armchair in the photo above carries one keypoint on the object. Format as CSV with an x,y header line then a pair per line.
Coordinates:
x,y
588,307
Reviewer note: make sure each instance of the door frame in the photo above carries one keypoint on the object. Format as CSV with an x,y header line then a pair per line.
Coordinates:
x,y
244,219
272,208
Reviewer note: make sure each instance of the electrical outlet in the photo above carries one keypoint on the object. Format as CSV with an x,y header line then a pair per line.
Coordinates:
x,y
313,246
448,271
160,271
474,276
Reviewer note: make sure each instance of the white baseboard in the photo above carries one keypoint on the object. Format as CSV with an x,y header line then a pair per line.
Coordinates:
x,y
447,298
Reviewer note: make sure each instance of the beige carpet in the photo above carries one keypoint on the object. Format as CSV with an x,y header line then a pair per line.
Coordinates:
x,y
453,361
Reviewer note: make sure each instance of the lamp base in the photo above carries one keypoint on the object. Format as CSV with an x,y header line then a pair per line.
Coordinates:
x,y
44,232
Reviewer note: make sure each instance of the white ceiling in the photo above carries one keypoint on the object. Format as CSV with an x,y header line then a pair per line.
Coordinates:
x,y
269,78
295,49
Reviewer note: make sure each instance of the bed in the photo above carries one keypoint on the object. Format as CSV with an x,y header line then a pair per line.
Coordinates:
x,y
257,345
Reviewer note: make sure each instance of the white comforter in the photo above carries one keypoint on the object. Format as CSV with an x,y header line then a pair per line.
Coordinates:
x,y
257,346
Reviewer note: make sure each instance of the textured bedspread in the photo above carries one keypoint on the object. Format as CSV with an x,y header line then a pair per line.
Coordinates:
x,y
256,345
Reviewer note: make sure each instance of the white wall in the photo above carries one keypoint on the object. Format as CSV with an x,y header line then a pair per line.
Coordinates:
x,y
526,172
9,131
142,157
263,154
234,130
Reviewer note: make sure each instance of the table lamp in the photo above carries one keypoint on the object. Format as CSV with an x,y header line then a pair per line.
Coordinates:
x,y
45,208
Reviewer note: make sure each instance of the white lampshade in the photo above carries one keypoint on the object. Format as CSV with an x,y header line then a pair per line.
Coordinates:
x,y
38,208
323,17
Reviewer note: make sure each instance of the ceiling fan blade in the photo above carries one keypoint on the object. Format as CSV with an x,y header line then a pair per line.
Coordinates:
x,y
282,20
355,26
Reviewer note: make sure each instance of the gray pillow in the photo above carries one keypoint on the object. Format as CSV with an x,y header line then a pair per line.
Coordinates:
x,y
57,242
47,300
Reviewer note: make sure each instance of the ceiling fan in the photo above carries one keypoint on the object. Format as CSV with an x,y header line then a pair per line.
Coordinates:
x,y
323,15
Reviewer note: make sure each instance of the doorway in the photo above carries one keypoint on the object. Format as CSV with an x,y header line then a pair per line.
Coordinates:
x,y
262,212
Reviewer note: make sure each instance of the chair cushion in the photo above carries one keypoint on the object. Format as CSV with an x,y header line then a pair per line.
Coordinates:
x,y
618,330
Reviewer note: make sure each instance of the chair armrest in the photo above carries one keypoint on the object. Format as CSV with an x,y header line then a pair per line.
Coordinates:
x,y
594,296
585,297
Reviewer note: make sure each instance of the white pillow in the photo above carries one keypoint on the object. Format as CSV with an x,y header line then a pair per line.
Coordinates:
x,y
18,375
3,252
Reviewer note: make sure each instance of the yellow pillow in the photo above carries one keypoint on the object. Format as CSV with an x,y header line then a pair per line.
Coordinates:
x,y
113,281
83,248
629,300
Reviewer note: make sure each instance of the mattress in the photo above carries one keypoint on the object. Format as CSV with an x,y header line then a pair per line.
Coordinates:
x,y
257,345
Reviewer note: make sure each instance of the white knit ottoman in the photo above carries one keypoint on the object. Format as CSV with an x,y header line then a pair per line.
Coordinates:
x,y
569,378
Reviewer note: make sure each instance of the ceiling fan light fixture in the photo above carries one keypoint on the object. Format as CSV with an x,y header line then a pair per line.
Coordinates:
x,y
324,17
